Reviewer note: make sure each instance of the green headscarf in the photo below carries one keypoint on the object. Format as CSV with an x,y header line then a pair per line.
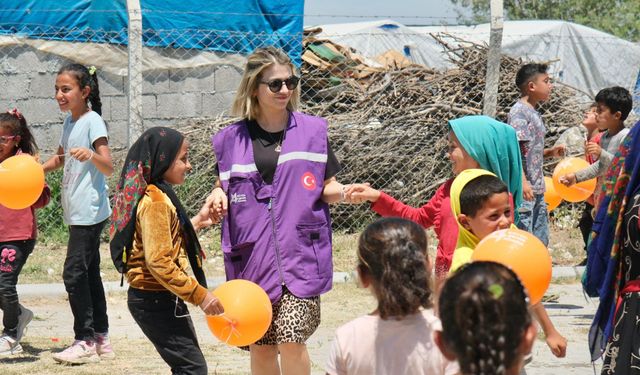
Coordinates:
x,y
494,145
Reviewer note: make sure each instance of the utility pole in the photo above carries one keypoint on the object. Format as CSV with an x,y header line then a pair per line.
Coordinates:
x,y
490,104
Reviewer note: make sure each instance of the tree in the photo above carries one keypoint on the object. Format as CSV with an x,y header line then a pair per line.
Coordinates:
x,y
617,17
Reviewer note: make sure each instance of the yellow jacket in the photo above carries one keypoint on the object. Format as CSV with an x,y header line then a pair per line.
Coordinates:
x,y
157,261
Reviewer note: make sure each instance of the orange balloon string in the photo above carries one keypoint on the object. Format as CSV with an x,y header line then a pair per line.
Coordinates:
x,y
232,331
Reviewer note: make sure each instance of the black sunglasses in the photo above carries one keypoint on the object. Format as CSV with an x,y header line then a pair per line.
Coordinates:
x,y
275,85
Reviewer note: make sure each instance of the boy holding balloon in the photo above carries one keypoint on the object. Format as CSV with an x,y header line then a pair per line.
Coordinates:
x,y
480,203
17,226
613,107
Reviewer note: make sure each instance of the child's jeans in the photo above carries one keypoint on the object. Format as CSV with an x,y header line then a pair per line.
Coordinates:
x,y
165,320
533,218
13,256
83,283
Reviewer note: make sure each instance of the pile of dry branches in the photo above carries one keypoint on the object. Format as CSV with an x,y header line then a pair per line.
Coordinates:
x,y
389,126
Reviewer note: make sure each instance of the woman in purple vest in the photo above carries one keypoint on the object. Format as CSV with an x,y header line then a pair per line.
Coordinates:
x,y
276,177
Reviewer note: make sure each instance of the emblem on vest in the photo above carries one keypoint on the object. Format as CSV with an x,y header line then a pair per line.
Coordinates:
x,y
308,181
238,198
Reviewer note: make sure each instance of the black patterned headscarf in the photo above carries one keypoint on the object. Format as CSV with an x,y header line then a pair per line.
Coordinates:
x,y
147,161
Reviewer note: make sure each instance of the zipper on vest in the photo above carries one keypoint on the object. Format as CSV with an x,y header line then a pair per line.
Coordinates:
x,y
275,241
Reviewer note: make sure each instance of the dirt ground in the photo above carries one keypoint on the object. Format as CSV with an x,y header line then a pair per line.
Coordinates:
x,y
51,331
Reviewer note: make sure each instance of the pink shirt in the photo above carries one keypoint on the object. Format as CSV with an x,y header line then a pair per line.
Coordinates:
x,y
19,225
369,345
435,213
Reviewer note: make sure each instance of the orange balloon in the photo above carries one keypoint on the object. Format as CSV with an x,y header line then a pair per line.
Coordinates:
x,y
524,253
21,181
579,191
247,313
551,195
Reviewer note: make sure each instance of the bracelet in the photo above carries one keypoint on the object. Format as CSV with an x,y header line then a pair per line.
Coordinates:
x,y
342,191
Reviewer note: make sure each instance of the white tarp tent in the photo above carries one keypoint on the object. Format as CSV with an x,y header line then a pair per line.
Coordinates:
x,y
585,59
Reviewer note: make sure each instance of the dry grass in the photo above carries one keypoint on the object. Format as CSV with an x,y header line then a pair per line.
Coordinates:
x,y
136,355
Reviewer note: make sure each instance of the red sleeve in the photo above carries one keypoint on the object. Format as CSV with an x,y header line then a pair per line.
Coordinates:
x,y
44,198
426,215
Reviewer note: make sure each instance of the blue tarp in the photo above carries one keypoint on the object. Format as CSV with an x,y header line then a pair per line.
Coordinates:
x,y
218,25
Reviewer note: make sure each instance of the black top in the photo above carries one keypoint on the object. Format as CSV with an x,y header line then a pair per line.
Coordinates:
x,y
266,158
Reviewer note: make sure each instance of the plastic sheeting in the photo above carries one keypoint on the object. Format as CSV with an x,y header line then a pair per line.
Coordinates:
x,y
214,25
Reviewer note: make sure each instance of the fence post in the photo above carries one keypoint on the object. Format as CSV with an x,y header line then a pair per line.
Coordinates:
x,y
490,104
135,128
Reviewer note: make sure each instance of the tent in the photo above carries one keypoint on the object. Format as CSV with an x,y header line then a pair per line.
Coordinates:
x,y
582,57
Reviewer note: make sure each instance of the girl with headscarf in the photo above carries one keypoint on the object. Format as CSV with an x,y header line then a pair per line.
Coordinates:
x,y
150,234
613,263
474,142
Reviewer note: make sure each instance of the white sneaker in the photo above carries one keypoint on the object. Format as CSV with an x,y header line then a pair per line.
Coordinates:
x,y
9,346
80,352
25,318
103,346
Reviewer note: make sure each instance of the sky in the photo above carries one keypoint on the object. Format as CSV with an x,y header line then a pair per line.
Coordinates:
x,y
408,12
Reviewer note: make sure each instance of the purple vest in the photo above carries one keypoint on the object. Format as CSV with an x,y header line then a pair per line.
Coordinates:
x,y
280,234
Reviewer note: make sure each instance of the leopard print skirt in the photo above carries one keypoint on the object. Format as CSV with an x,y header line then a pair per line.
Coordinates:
x,y
294,320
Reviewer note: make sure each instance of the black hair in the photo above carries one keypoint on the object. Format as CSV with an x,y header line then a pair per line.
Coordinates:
x,y
527,73
477,191
484,312
85,78
617,99
393,253
15,122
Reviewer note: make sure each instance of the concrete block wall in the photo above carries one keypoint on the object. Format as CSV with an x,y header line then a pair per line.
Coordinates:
x,y
170,96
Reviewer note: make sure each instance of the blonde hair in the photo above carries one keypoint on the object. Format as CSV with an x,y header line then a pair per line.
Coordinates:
x,y
245,104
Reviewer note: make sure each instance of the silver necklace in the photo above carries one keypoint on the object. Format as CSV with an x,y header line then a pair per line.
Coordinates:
x,y
278,143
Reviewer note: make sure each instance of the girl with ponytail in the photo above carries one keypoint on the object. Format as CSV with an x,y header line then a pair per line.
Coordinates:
x,y
18,231
399,334
84,153
486,325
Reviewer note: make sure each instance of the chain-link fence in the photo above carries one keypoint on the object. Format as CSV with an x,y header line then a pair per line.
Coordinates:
x,y
387,112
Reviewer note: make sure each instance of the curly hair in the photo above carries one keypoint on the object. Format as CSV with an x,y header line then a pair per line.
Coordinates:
x,y
484,312
392,252
86,78
16,124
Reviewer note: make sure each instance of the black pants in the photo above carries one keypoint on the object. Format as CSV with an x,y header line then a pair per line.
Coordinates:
x,y
82,280
585,223
165,320
13,255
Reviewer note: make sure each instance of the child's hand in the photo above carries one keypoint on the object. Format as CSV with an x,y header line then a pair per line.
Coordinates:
x,y
568,179
211,305
358,193
527,192
557,343
81,153
593,149
218,204
558,151
203,218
